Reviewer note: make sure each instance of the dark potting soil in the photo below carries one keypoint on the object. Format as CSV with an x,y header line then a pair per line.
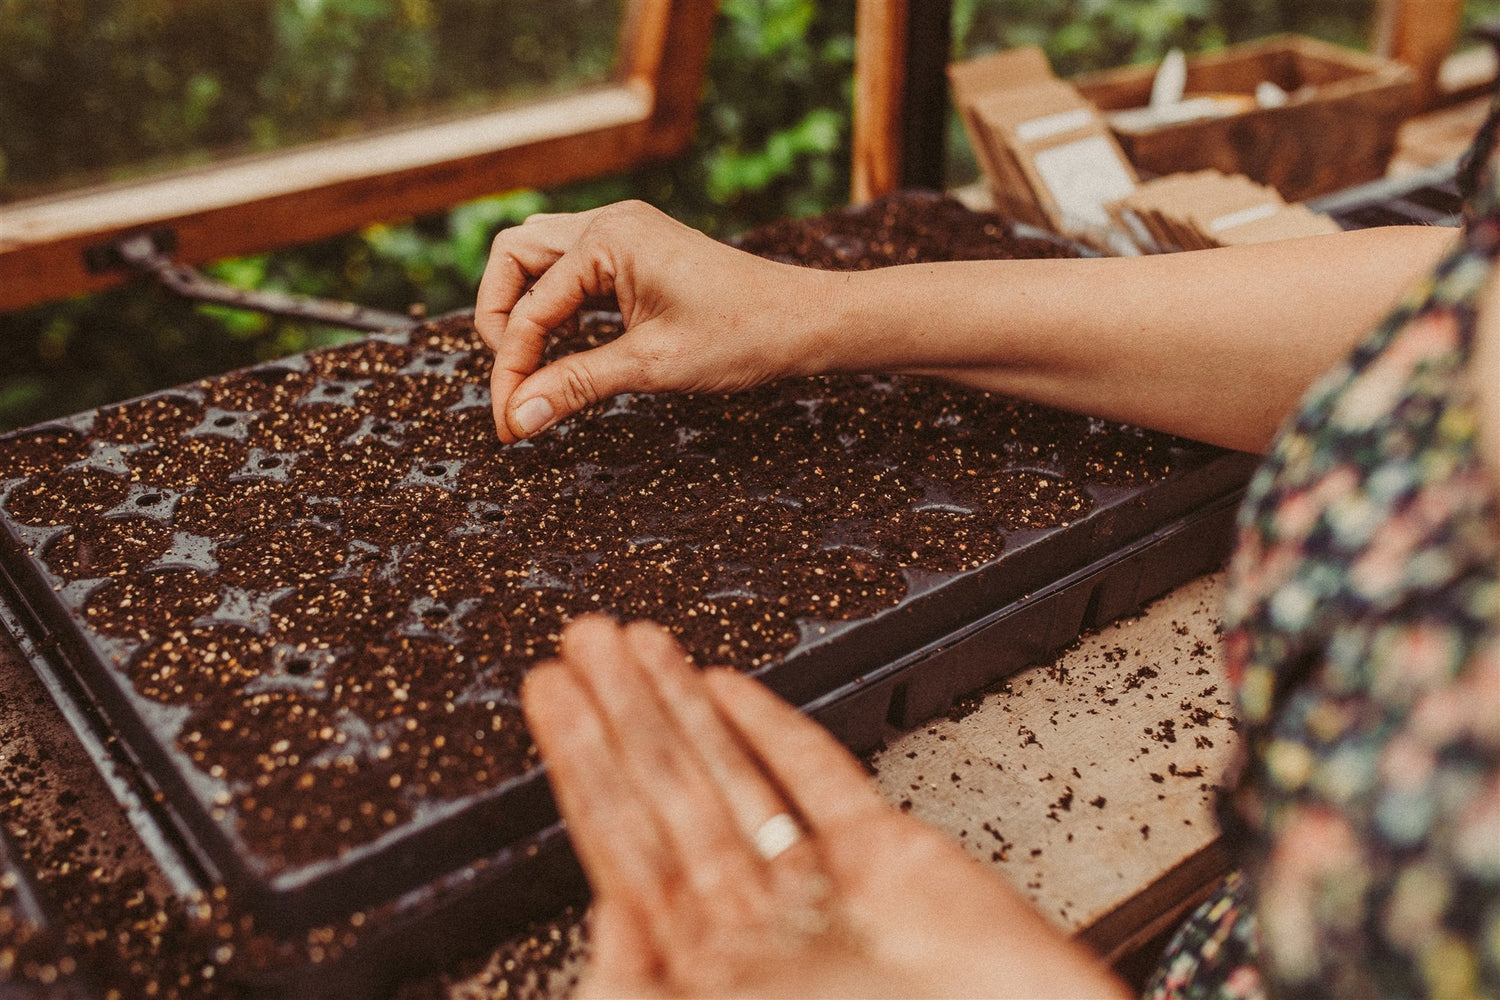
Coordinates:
x,y
336,576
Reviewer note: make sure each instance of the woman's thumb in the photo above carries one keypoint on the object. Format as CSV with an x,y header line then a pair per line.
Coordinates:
x,y
567,385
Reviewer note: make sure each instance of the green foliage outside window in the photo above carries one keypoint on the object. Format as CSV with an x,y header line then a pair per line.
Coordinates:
x,y
104,89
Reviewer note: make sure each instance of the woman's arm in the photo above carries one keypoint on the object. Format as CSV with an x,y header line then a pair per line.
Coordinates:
x,y
1215,345
1484,374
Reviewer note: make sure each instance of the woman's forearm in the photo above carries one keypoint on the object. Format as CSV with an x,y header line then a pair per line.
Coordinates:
x,y
1216,345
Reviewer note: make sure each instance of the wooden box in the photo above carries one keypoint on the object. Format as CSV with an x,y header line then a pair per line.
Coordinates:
x,y
1337,129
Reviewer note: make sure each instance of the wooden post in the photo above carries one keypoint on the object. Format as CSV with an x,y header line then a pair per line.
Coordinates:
x,y
900,95
924,101
1421,34
665,47
879,78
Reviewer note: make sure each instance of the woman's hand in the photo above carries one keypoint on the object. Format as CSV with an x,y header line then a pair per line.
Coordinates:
x,y
699,315
735,848
1211,344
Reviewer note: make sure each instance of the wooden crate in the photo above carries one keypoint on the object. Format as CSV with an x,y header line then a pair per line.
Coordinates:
x,y
1341,132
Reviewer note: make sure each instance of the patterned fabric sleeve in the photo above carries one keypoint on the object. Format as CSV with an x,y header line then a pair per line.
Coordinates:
x,y
1361,628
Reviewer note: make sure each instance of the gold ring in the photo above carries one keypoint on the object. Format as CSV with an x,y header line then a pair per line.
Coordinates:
x,y
775,835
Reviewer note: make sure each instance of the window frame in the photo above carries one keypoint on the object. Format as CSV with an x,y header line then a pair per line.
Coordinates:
x,y
49,246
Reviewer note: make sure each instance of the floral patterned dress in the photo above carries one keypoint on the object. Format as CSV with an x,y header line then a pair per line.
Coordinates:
x,y
1363,633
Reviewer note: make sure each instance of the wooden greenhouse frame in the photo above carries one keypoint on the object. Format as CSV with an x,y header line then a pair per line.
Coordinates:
x,y
49,247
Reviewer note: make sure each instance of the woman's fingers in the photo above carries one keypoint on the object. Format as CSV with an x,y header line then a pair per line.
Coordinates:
x,y
752,799
612,828
624,961
728,866
538,274
661,765
820,779
518,256
1484,370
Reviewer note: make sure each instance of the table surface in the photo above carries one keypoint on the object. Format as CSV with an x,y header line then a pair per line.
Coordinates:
x,y
1090,782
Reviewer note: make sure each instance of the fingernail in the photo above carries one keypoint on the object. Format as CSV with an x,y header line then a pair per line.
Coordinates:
x,y
534,414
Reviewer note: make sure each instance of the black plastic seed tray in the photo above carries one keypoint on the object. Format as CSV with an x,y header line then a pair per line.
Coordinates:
x,y
928,681
300,597
1423,198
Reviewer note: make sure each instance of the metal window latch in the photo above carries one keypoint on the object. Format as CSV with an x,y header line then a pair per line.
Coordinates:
x,y
146,254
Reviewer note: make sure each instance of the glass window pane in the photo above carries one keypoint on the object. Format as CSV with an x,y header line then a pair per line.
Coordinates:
x,y
96,90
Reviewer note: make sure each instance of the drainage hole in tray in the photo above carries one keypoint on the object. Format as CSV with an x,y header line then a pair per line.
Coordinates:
x,y
299,667
436,616
381,428
494,517
149,500
224,422
435,470
268,463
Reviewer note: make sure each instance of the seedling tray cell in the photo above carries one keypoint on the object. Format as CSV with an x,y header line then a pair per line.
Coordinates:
x,y
300,597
